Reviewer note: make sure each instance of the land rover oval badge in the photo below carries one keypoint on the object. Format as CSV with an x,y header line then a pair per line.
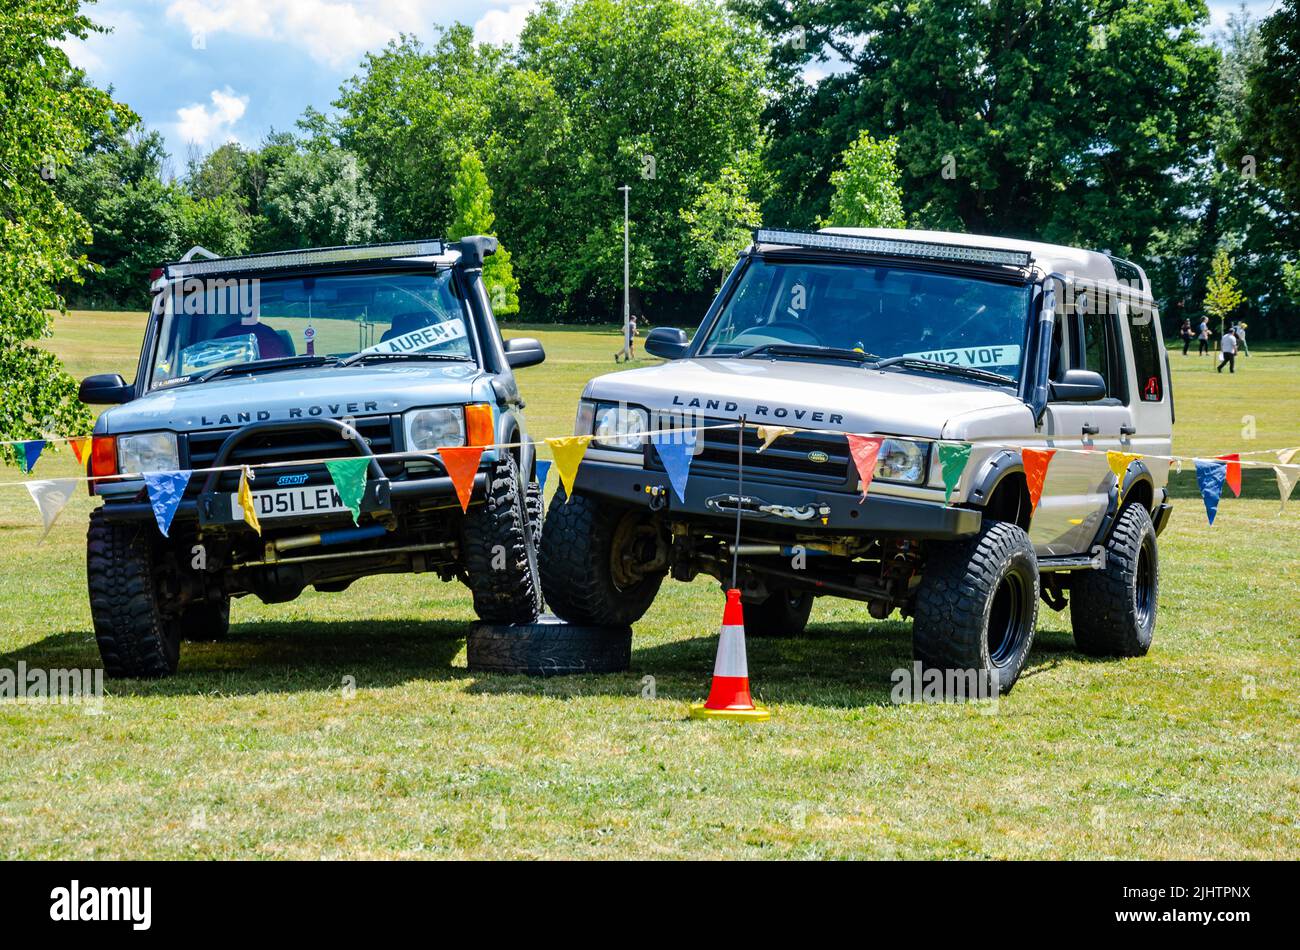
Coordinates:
x,y
818,457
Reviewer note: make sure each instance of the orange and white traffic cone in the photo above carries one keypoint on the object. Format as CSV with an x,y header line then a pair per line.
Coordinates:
x,y
729,695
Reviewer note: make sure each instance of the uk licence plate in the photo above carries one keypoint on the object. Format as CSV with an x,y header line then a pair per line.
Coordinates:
x,y
285,502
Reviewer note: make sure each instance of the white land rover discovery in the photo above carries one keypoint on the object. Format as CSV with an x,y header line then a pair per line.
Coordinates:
x,y
921,338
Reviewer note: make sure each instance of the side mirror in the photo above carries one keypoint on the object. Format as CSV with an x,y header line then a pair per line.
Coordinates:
x,y
107,389
524,351
667,342
1078,385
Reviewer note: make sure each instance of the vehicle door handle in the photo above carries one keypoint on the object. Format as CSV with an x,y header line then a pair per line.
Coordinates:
x,y
1090,429
1128,430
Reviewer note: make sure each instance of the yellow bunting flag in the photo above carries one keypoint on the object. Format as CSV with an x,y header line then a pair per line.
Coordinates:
x,y
1119,463
770,434
568,453
79,447
1286,476
246,503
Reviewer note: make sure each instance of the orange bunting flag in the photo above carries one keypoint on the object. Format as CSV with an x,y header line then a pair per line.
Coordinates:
x,y
1234,472
462,464
79,447
1036,462
1119,463
245,498
568,453
864,451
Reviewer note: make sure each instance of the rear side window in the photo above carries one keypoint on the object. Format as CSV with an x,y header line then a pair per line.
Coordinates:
x,y
1143,326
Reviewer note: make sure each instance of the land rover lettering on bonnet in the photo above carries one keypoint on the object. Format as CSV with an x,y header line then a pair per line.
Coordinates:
x,y
273,366
916,340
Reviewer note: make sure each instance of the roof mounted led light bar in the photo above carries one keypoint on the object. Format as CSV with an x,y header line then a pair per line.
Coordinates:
x,y
893,247
283,260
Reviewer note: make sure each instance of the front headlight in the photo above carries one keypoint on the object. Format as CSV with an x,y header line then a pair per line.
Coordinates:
x,y
429,429
147,452
901,461
620,426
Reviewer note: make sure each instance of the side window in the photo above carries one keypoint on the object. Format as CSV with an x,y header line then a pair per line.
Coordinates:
x,y
1095,343
1143,326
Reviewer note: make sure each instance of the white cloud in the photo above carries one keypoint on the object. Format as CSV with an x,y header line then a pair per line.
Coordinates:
x,y
503,26
211,126
335,32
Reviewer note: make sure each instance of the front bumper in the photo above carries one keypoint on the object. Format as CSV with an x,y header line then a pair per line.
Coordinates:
x,y
214,508
781,507
211,505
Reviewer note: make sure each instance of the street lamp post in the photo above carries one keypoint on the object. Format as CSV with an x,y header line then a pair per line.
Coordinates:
x,y
627,311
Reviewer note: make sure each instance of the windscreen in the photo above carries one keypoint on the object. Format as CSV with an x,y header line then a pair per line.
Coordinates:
x,y
877,309
214,323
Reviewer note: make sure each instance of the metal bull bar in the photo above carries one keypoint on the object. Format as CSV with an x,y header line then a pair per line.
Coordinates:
x,y
214,508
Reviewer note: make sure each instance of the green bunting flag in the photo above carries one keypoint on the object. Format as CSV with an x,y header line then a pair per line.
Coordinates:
x,y
952,462
350,479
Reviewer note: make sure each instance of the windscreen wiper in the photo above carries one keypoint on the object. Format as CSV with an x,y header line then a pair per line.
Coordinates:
x,y
280,362
807,349
363,357
971,372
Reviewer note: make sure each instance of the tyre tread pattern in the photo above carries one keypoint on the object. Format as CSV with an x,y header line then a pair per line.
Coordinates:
x,y
134,638
512,594
1103,608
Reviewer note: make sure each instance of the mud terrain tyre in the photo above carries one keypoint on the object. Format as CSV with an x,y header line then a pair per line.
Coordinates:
x,y
504,591
1113,608
125,600
579,574
534,504
977,606
783,614
548,647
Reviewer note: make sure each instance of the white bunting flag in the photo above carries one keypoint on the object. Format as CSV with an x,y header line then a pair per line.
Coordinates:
x,y
52,496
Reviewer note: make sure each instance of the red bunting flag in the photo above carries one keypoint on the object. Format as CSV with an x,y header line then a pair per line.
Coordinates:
x,y
864,450
1234,472
79,447
1036,462
462,464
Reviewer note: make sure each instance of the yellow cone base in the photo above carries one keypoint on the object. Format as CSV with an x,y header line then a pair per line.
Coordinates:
x,y
757,714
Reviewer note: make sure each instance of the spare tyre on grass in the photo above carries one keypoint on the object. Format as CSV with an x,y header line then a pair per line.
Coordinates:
x,y
548,647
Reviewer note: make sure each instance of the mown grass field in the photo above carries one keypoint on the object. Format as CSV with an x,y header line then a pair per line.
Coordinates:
x,y
257,750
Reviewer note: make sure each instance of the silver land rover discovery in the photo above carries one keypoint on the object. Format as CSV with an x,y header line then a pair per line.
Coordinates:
x,y
920,338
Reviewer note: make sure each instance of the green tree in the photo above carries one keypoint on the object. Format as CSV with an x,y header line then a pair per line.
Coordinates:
x,y
1222,294
134,218
720,224
1273,106
1060,120
866,192
471,203
48,116
409,115
661,95
217,224
320,199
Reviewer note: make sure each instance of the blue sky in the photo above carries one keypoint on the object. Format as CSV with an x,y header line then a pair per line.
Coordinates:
x,y
208,71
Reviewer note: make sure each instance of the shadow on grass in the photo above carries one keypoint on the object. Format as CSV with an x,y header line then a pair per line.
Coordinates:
x,y
277,657
840,665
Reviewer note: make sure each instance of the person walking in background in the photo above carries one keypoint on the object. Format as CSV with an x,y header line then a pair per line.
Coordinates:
x,y
1203,334
629,340
1228,347
1241,337
1185,331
